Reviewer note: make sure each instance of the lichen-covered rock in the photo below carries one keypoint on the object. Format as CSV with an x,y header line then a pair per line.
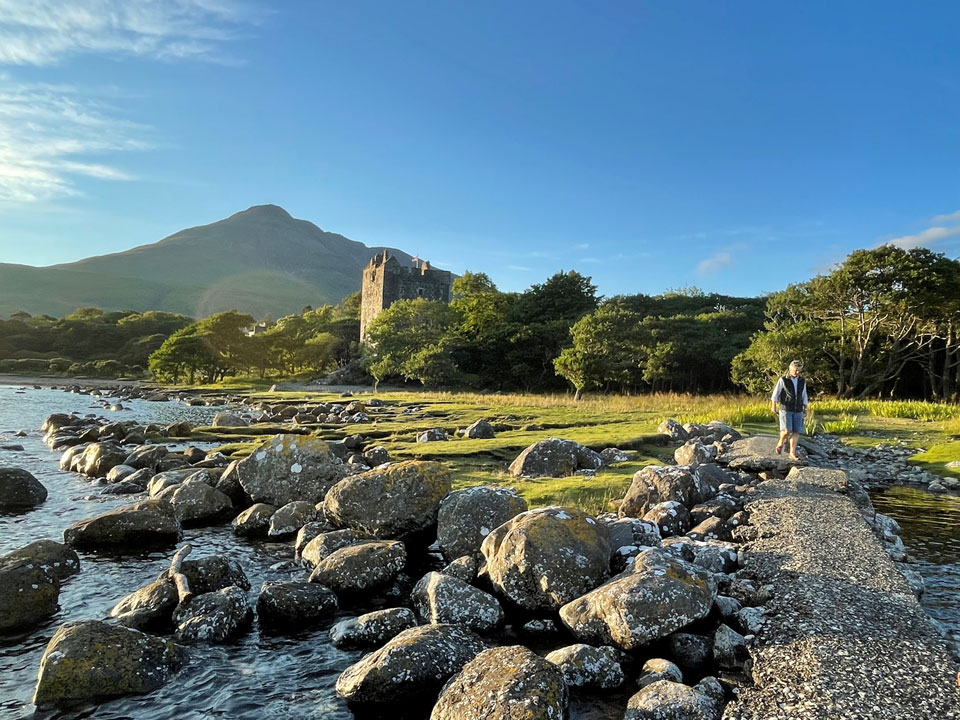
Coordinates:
x,y
254,521
194,502
127,528
212,617
373,629
464,567
20,489
661,483
290,467
91,660
612,456
480,430
712,555
146,456
413,664
691,650
504,683
439,598
29,593
656,669
588,666
61,560
628,531
432,435
467,516
544,558
694,452
327,543
671,517
390,502
308,532
358,568
729,648
713,528
294,605
225,419
674,429
665,700
377,455
213,572
554,457
291,517
119,473
99,457
656,596
149,608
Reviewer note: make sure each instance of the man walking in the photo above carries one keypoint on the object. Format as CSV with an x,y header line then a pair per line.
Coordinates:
x,y
791,395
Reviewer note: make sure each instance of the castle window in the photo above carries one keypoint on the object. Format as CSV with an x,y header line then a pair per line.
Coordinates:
x,y
419,292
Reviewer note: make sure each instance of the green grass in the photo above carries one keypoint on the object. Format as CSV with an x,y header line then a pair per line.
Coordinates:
x,y
844,425
936,458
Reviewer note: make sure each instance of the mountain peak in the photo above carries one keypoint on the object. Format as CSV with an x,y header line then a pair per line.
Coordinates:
x,y
264,211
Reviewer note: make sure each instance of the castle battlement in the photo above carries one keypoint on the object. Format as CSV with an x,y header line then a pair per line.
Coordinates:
x,y
386,279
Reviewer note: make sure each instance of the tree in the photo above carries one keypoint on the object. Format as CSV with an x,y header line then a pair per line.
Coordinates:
x,y
185,354
403,331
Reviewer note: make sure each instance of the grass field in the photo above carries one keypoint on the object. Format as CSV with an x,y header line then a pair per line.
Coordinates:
x,y
598,422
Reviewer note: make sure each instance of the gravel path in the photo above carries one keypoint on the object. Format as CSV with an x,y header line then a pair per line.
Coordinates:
x,y
846,637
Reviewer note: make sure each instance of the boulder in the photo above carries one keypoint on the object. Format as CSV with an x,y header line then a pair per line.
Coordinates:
x,y
59,559
729,648
212,617
29,593
291,517
432,435
71,455
612,456
674,429
554,457
294,605
587,666
504,683
690,650
390,502
544,558
19,489
439,598
480,430
656,596
661,483
254,521
213,572
149,608
464,567
194,503
656,669
413,664
359,568
146,456
289,467
308,532
327,543
694,452
128,528
467,516
755,454
665,700
91,660
98,458
372,629
225,419
671,517
119,473
712,555
376,455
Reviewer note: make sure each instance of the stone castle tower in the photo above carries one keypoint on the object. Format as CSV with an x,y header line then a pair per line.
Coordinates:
x,y
386,280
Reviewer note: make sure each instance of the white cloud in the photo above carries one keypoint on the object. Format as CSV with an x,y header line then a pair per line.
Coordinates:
x,y
930,236
43,32
949,218
715,263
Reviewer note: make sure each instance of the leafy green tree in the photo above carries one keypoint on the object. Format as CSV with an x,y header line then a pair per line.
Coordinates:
x,y
406,328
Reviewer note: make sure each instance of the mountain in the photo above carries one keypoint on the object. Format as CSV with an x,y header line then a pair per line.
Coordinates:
x,y
261,261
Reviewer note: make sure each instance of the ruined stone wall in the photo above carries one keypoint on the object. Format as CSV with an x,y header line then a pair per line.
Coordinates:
x,y
385,281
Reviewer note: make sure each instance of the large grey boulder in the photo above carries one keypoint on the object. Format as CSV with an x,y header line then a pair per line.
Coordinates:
x,y
694,452
372,629
662,483
254,521
657,595
19,489
98,458
440,598
225,419
674,429
413,664
291,517
127,528
290,467
480,430
671,517
360,568
554,457
91,660
29,593
755,454
504,683
666,700
212,617
149,608
325,544
59,559
466,517
390,502
588,666
213,572
544,558
194,502
146,456
294,605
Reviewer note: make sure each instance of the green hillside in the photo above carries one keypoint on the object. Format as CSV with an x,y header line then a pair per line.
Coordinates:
x,y
261,261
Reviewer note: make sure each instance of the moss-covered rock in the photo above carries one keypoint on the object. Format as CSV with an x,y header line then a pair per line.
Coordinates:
x,y
29,593
149,608
290,467
588,666
467,516
666,700
254,521
413,664
20,489
544,558
440,598
92,660
390,502
504,683
657,595
358,568
61,560
291,517
128,528
325,544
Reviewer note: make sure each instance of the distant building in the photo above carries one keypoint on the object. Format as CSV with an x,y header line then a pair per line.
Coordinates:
x,y
256,329
386,280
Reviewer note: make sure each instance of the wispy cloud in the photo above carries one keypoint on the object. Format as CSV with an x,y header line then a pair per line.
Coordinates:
x,y
715,263
44,32
944,227
583,246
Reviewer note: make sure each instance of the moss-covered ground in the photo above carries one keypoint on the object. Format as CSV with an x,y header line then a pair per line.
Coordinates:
x,y
628,422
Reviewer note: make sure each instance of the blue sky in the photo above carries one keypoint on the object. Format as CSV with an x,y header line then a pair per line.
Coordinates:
x,y
732,146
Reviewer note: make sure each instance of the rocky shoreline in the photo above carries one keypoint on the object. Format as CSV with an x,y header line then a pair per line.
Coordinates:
x,y
668,598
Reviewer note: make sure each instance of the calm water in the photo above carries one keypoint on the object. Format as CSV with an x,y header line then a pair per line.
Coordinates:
x,y
931,532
